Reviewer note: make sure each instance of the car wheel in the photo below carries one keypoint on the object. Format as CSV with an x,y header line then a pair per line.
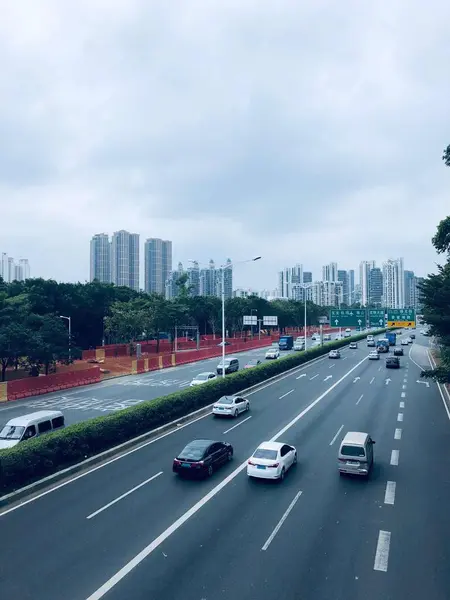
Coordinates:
x,y
229,456
282,474
247,406
236,412
210,470
295,459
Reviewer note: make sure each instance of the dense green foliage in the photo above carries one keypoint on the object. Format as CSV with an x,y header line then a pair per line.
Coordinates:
x,y
33,333
35,459
435,292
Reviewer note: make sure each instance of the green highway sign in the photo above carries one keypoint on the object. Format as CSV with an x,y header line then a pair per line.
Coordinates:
x,y
376,317
401,317
347,318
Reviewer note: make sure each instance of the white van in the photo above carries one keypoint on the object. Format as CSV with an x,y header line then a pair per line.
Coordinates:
x,y
30,426
356,454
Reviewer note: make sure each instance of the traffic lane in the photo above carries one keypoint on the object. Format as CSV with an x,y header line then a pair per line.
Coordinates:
x,y
219,551
111,396
423,489
107,528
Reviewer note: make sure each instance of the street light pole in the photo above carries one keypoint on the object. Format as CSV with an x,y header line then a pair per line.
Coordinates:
x,y
70,335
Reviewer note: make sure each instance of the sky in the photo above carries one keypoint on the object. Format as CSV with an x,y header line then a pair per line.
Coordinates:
x,y
303,132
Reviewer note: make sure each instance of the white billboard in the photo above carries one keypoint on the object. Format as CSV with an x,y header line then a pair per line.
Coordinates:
x,y
270,321
250,320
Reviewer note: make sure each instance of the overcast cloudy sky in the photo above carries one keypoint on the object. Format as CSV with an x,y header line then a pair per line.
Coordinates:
x,y
303,131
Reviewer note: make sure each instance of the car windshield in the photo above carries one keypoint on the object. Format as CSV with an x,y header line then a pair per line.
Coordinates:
x,y
352,451
252,363
202,377
227,364
11,432
193,451
264,453
226,400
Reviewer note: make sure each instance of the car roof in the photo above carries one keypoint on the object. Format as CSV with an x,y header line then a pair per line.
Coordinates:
x,y
270,446
232,397
204,373
201,443
355,437
41,414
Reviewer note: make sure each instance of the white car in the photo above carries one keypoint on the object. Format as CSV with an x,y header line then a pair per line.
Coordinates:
x,y
374,355
299,346
409,340
334,354
273,353
231,406
202,378
404,342
271,460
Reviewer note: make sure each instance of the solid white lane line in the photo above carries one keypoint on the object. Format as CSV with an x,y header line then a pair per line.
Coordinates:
x,y
300,376
379,368
237,425
286,394
398,434
389,495
400,417
402,405
100,510
359,399
281,521
382,553
372,380
344,358
335,437
134,562
403,395
395,454
403,387
332,366
405,380
313,377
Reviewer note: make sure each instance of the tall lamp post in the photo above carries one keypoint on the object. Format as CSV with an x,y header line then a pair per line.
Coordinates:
x,y
223,268
70,335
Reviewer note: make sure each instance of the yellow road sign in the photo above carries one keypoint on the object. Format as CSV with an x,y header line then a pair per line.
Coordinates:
x,y
401,323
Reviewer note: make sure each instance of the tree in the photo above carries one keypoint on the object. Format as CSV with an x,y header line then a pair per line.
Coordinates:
x,y
48,341
14,343
446,156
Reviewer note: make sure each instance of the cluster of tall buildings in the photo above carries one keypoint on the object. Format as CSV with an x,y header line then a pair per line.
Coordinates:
x,y
10,270
388,286
117,260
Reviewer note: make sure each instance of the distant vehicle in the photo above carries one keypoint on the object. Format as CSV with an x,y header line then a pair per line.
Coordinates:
x,y
271,460
334,354
353,345
252,363
398,351
393,362
348,330
272,353
230,406
374,355
327,337
347,334
370,343
409,340
224,344
391,337
413,336
356,454
230,365
286,342
370,338
202,457
202,378
299,346
383,345
404,342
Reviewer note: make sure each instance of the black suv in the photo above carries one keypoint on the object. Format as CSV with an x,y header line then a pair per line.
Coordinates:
x,y
393,362
398,351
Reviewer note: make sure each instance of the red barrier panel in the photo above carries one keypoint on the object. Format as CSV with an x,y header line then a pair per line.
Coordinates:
x,y
87,354
140,365
35,386
166,361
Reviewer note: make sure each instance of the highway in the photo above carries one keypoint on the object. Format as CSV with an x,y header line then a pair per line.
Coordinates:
x,y
132,529
87,402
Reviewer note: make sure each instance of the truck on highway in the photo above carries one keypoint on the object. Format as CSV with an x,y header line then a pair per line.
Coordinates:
x,y
286,342
383,345
391,336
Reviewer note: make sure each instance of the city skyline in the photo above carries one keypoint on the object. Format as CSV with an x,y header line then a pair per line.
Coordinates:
x,y
10,270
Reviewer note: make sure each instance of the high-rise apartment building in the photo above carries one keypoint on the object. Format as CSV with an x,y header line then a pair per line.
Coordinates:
x,y
287,278
326,293
125,259
10,271
376,288
410,289
100,258
208,280
393,284
365,267
157,265
193,281
342,277
307,277
172,287
227,280
351,286
330,272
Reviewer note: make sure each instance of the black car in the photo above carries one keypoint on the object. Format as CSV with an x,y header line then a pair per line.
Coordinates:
x,y
393,362
413,336
398,351
202,457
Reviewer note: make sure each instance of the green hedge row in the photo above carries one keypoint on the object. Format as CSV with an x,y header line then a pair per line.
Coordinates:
x,y
32,460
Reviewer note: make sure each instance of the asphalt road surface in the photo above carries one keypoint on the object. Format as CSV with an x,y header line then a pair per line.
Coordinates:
x,y
132,529
86,402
